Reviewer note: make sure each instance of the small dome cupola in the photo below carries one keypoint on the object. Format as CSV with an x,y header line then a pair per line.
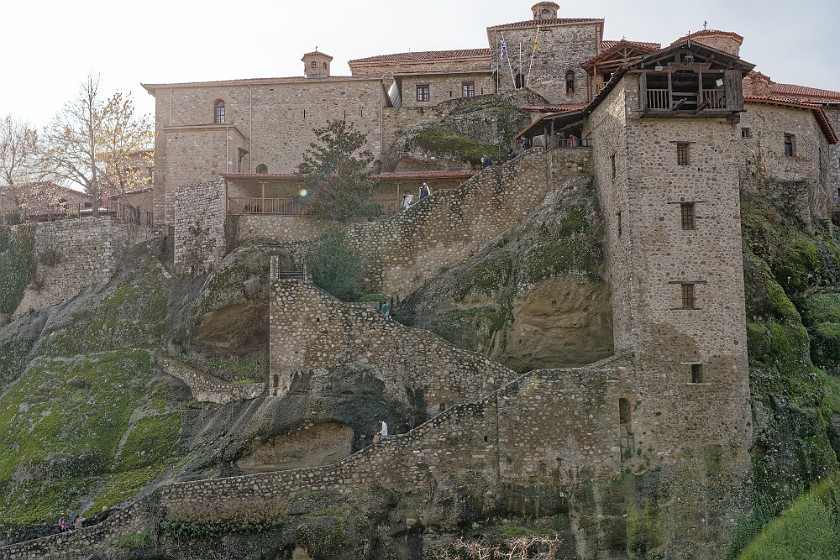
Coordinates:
x,y
545,10
316,64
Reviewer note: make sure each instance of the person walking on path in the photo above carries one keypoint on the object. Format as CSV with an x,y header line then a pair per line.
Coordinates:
x,y
407,201
425,191
382,433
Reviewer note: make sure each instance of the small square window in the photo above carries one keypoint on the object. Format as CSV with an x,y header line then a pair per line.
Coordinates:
x,y
746,133
687,215
697,373
789,145
682,154
687,292
423,92
468,89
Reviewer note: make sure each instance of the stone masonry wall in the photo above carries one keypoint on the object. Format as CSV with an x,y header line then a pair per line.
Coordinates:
x,y
311,329
443,87
833,163
449,226
89,251
281,228
274,120
800,182
667,337
561,48
547,427
199,227
206,388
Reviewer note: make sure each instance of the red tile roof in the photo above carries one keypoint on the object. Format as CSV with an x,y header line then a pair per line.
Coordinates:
x,y
545,22
425,55
708,32
425,175
260,81
607,45
803,91
260,175
556,108
318,52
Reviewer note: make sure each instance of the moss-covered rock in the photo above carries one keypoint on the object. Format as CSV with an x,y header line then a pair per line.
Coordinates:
x,y
90,429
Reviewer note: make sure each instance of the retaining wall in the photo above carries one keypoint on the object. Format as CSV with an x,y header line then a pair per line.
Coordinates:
x,y
449,226
311,329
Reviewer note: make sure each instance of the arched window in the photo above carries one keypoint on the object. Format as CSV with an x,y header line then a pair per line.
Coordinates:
x,y
570,82
219,112
262,168
314,64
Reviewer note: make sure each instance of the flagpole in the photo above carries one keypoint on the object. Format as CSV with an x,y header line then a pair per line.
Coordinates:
x,y
498,62
520,65
533,52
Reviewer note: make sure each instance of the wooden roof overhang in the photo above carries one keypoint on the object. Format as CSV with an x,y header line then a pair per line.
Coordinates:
x,y
556,121
622,53
719,59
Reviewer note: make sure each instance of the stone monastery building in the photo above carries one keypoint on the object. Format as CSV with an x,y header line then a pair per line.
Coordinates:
x,y
670,135
251,130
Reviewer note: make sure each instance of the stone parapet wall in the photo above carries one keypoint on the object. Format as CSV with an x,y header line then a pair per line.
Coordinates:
x,y
82,543
546,427
311,329
88,253
206,388
448,227
199,227
280,228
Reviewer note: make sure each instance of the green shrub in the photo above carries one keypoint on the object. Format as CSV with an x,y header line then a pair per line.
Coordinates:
x,y
333,267
17,267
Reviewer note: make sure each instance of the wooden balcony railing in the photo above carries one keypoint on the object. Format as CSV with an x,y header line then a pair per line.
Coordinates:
x,y
714,99
658,99
281,206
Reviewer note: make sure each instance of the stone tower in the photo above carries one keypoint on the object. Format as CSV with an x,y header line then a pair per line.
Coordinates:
x,y
545,10
316,64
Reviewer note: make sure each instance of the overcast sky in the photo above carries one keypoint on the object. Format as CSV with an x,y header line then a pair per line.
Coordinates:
x,y
48,47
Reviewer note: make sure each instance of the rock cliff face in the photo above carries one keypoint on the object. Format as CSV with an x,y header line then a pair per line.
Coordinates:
x,y
536,298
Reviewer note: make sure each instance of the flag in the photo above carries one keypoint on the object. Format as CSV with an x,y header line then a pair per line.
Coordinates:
x,y
503,49
536,40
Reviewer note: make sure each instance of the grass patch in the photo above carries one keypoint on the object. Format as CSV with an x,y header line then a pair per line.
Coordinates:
x,y
808,530
60,429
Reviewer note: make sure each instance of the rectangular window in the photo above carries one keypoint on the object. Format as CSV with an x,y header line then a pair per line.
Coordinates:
x,y
682,154
423,92
687,215
612,166
618,218
789,145
468,89
697,373
687,291
746,133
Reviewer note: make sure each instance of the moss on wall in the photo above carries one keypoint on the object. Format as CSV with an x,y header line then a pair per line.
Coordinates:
x,y
131,315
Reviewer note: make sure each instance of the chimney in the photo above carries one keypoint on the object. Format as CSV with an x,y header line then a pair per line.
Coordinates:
x,y
545,10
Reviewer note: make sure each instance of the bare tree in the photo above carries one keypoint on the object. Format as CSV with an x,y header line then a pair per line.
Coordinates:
x,y
126,145
19,160
93,136
18,152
